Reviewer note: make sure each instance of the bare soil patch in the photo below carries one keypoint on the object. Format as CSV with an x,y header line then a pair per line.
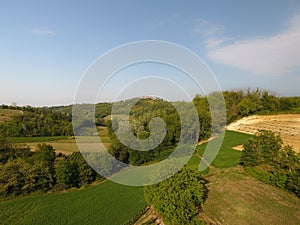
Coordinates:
x,y
150,217
238,148
287,125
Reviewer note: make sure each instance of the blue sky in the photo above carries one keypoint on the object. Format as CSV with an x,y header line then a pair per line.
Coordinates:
x,y
46,46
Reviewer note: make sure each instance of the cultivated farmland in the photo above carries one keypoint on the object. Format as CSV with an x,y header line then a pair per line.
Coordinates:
x,y
287,125
107,203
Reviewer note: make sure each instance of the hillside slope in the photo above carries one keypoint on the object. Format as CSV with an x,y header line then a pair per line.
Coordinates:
x,y
237,198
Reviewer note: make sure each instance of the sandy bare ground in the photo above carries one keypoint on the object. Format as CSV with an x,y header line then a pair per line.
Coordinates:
x,y
287,125
150,217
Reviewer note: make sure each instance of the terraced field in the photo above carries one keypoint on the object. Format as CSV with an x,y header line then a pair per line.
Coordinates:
x,y
287,125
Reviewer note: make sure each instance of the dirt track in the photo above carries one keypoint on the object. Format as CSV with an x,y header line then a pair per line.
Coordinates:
x,y
287,125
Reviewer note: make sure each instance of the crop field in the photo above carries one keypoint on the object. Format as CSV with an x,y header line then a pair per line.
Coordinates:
x,y
287,125
65,145
106,203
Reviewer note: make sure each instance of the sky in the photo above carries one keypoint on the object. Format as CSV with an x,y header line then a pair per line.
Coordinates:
x,y
46,47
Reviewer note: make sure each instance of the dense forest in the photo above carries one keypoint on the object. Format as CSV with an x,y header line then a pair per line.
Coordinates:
x,y
33,122
46,121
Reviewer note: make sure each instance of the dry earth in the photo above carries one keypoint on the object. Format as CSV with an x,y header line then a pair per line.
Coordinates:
x,y
287,125
150,217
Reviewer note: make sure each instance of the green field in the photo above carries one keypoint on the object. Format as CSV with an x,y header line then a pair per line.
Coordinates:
x,y
38,139
227,157
106,203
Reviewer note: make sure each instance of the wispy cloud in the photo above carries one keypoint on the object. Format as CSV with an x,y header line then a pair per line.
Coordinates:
x,y
43,32
274,55
206,28
213,34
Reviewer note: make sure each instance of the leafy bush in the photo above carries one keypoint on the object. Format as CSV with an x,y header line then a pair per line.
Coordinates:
x,y
179,198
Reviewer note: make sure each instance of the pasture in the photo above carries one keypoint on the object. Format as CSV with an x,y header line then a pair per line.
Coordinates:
x,y
237,198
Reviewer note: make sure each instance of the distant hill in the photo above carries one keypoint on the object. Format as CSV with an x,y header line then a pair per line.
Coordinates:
x,y
7,114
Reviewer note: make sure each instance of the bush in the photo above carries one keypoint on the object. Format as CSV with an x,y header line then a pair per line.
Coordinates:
x,y
179,198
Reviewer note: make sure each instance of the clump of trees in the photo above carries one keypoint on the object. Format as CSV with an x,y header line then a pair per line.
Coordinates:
x,y
74,172
179,198
24,172
265,158
140,116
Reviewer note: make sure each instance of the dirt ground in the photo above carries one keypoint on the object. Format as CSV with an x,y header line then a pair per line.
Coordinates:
x,y
287,125
150,217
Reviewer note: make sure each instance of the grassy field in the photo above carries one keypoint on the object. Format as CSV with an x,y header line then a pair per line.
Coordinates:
x,y
227,157
237,198
106,203
37,139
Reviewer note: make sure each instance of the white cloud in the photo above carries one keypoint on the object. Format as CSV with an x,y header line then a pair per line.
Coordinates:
x,y
43,32
275,55
213,34
214,42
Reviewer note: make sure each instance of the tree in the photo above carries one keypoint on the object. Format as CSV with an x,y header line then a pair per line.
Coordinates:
x,y
66,173
179,198
86,174
45,153
264,148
